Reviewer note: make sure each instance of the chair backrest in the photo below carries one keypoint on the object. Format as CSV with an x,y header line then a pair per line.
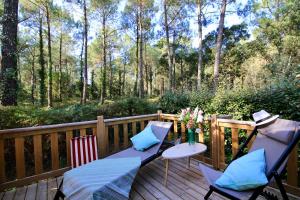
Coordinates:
x,y
160,130
83,150
275,139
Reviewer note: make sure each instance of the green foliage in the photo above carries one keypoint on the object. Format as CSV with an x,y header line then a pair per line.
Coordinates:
x,y
282,98
173,102
25,116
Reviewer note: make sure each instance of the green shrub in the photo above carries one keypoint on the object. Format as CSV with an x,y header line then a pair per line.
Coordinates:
x,y
25,116
173,102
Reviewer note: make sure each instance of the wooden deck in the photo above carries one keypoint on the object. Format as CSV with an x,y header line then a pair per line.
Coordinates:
x,y
183,184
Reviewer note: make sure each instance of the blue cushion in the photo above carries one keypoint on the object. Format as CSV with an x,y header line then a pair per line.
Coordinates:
x,y
144,139
246,172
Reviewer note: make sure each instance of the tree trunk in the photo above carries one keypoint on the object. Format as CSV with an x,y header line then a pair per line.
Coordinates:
x,y
120,82
9,63
103,93
81,70
42,63
110,75
219,45
146,68
60,66
174,61
50,97
85,71
168,46
181,75
124,79
199,75
137,56
141,72
33,79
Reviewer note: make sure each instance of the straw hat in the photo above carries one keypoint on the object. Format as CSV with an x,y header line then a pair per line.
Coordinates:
x,y
263,117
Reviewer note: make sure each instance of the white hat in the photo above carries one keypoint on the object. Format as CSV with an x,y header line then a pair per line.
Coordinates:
x,y
263,117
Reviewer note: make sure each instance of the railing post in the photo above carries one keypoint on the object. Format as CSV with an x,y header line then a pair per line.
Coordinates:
x,y
102,138
215,142
2,161
292,169
159,112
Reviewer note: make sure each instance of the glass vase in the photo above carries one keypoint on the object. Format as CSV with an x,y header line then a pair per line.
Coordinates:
x,y
191,136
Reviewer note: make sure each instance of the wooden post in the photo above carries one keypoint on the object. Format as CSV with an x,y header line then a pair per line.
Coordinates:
x,y
215,142
292,172
20,157
54,151
38,154
162,86
235,140
102,138
222,147
159,112
2,161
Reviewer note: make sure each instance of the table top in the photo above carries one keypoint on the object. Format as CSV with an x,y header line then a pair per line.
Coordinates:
x,y
184,150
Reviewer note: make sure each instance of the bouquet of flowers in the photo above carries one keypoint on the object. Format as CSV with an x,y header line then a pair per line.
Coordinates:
x,y
191,118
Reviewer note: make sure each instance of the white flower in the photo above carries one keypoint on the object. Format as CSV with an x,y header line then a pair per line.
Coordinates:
x,y
200,116
195,113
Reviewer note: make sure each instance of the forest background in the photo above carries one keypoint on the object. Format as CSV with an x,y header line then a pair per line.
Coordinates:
x,y
67,61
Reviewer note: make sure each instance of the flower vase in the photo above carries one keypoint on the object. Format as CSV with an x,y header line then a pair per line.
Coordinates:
x,y
191,136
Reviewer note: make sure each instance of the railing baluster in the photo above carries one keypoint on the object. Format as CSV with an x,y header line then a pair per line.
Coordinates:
x,y
175,129
20,160
2,161
142,123
215,142
222,147
82,132
54,151
69,136
182,132
292,168
116,137
235,141
251,141
94,131
38,154
133,128
125,133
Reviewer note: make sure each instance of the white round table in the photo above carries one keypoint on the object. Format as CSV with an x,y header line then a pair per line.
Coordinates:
x,y
184,150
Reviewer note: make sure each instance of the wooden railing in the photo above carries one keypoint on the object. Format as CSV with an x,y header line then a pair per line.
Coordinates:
x,y
31,154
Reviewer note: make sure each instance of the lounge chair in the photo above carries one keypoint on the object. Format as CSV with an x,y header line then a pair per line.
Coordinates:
x,y
278,139
160,130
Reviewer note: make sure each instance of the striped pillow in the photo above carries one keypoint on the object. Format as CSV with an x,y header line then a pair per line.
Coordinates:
x,y
83,150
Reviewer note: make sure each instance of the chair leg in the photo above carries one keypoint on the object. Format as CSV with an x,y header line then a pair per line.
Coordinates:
x,y
280,186
59,193
208,193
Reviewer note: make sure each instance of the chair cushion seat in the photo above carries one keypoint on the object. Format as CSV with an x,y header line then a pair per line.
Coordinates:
x,y
246,172
131,152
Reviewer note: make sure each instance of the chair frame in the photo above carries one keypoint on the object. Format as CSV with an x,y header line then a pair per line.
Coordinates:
x,y
272,173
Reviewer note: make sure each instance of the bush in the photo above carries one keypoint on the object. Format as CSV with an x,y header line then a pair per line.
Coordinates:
x,y
282,99
25,116
173,102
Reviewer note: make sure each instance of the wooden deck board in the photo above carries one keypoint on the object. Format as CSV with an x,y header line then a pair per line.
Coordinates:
x,y
183,184
9,195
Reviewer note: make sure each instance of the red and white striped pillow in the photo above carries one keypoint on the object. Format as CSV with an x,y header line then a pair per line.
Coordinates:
x,y
83,150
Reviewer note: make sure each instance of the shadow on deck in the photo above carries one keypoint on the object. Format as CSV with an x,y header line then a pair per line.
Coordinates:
x,y
182,184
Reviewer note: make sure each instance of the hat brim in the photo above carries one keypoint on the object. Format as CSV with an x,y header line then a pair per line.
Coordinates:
x,y
268,120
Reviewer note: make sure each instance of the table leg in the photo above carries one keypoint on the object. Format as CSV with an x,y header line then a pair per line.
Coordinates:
x,y
167,169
